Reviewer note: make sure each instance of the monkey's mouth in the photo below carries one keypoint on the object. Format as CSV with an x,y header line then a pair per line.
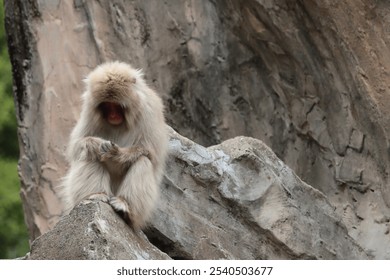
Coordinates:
x,y
112,112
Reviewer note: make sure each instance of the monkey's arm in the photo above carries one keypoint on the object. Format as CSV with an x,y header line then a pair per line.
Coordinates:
x,y
125,157
86,149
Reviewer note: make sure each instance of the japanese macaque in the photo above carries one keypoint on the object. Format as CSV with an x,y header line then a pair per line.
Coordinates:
x,y
118,147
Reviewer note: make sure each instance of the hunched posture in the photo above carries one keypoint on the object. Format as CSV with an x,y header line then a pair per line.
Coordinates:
x,y
118,147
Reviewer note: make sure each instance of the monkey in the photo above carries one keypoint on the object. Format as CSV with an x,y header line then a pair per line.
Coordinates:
x,y
118,147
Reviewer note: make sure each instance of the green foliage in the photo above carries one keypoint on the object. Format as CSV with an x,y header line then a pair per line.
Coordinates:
x,y
13,233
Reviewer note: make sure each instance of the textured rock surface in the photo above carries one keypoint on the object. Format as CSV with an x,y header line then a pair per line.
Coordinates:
x,y
92,231
236,200
309,78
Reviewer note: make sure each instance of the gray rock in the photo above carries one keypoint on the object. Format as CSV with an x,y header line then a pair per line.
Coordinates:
x,y
92,231
236,200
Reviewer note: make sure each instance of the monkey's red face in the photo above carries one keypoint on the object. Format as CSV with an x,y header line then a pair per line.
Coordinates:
x,y
113,113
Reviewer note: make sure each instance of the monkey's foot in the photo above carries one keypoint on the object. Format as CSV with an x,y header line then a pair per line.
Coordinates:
x,y
101,196
121,206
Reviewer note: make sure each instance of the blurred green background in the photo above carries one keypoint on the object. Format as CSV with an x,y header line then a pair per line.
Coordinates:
x,y
13,232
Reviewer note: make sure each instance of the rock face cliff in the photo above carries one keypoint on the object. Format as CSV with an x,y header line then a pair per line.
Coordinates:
x,y
308,78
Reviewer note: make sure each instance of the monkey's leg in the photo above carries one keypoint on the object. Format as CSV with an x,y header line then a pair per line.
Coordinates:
x,y
86,179
138,193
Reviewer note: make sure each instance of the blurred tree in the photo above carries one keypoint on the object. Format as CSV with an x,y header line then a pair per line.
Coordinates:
x,y
13,232
9,144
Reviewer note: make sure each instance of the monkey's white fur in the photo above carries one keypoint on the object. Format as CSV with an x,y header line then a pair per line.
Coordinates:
x,y
144,127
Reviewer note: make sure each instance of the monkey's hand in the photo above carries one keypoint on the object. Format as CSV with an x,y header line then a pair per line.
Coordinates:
x,y
125,157
108,151
89,148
